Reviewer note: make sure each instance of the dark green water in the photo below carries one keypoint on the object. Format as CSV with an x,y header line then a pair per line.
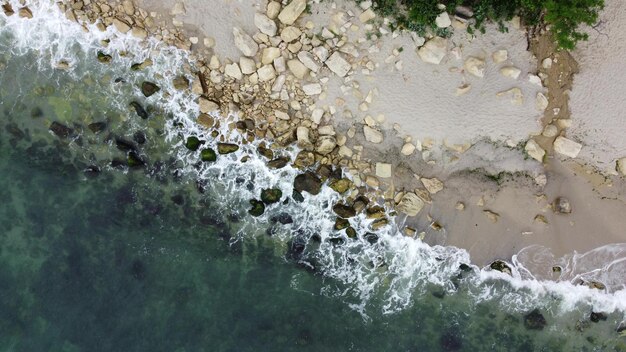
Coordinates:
x,y
139,260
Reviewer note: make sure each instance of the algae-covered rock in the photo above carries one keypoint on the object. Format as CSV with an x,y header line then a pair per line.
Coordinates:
x,y
341,186
501,266
124,144
104,58
141,112
139,137
379,223
208,154
266,152
227,148
193,143
149,88
278,163
97,127
133,160
258,207
351,232
271,195
341,224
308,182
345,211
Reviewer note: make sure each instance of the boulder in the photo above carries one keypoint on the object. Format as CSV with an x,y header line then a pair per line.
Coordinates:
x,y
443,20
292,11
326,144
307,182
265,24
433,51
302,135
312,89
247,65
149,88
207,105
60,130
266,73
511,72
139,110
341,185
297,68
567,147
205,120
432,185
258,207
367,15
208,154
372,135
120,25
383,170
408,149
273,9
337,64
475,66
233,70
534,150
307,60
321,53
271,195
244,42
269,54
517,97
193,143
410,204
304,159
501,266
343,210
289,34
227,148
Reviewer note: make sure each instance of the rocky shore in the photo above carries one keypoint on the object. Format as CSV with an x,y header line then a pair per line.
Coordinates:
x,y
313,75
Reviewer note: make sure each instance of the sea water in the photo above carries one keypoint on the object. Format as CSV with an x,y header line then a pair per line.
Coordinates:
x,y
99,256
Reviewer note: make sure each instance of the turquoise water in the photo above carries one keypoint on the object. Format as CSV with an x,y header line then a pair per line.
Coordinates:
x,y
97,256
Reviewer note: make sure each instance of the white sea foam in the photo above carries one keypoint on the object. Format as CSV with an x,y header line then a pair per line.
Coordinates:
x,y
395,268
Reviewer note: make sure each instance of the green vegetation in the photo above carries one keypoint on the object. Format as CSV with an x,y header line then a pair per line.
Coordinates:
x,y
563,16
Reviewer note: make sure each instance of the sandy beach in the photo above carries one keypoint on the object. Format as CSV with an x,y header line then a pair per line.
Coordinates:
x,y
453,134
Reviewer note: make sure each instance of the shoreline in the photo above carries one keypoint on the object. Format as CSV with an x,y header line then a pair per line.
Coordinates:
x,y
500,202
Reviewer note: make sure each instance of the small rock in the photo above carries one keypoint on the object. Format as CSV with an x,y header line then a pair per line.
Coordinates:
x,y
326,144
372,135
207,105
620,166
338,64
297,68
550,131
562,205
233,70
291,12
271,195
501,266
258,208
302,135
247,65
534,150
205,120
500,56
541,102
341,185
493,217
344,211
383,170
192,143
8,9
265,24
410,204
460,206
278,163
510,71
307,60
121,25
367,15
567,147
408,149
546,63
464,89
244,42
541,219
60,130
432,185
266,73
433,51
443,20
289,34
178,9
517,97
312,89
475,66
208,154
273,9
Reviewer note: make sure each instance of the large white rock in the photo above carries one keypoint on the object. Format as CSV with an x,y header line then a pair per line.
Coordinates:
x,y
567,147
510,71
247,65
534,150
289,34
297,68
372,135
432,185
308,60
433,51
338,64
233,71
244,42
326,144
410,204
443,20
383,170
620,166
266,73
312,89
291,12
265,24
269,54
475,66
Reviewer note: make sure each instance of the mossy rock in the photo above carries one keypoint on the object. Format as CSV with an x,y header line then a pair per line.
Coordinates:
x,y
375,212
266,152
60,130
97,127
227,148
258,207
193,143
271,195
133,160
341,186
278,163
341,224
104,58
149,88
379,223
208,154
308,182
139,110
351,232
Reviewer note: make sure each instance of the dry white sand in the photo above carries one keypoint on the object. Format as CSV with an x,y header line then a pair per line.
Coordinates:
x,y
598,102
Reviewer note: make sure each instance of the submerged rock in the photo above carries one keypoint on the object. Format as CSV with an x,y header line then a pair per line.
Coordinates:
x,y
371,237
124,145
141,112
104,58
258,207
535,320
597,316
97,127
91,171
193,143
227,148
60,130
139,137
208,154
271,195
562,205
133,160
149,88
